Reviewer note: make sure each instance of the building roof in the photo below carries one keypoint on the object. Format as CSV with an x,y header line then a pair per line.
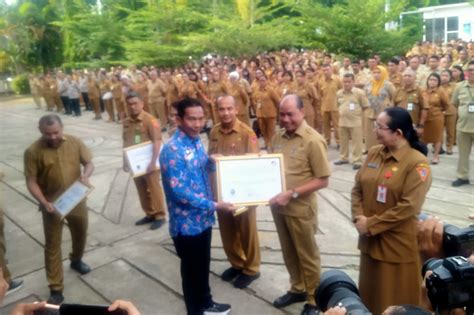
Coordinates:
x,y
446,6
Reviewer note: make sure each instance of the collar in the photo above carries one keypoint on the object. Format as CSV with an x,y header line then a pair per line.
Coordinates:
x,y
236,128
185,138
298,132
139,117
397,155
43,143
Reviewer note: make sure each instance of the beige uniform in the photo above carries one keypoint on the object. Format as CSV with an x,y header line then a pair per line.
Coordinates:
x,y
156,100
135,131
55,169
389,190
328,89
351,106
305,156
239,234
463,99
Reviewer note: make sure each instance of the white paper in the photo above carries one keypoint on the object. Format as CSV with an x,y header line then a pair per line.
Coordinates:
x,y
244,181
140,157
71,198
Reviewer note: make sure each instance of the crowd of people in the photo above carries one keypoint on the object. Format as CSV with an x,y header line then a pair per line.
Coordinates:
x,y
387,111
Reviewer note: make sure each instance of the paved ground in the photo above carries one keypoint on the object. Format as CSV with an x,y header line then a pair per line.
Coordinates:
x,y
140,265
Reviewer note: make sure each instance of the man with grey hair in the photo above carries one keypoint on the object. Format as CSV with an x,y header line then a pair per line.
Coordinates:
x,y
51,165
294,210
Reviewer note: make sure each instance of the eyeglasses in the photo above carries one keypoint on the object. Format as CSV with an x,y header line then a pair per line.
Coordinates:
x,y
377,126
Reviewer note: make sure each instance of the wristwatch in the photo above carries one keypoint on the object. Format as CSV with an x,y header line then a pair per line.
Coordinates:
x,y
295,194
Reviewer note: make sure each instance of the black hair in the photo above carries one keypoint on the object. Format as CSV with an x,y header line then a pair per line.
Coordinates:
x,y
400,119
433,74
395,61
288,73
458,67
448,72
133,94
187,103
348,75
49,120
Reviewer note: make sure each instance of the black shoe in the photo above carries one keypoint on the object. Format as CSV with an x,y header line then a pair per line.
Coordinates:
x,y
157,224
340,162
355,166
441,151
244,280
80,267
145,220
338,147
449,152
217,308
459,182
290,298
56,298
14,286
230,273
310,310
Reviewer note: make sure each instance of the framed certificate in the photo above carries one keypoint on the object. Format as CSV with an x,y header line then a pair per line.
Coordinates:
x,y
250,180
139,157
69,199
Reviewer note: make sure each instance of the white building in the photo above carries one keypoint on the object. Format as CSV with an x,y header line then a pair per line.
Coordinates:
x,y
446,22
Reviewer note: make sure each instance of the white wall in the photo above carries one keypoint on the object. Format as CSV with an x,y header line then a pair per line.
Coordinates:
x,y
464,11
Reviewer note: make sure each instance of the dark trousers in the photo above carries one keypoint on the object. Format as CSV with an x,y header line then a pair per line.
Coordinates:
x,y
66,104
75,106
195,254
102,105
87,102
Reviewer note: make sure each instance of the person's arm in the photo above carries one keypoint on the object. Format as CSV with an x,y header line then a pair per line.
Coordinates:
x,y
28,308
244,95
126,306
155,136
315,184
356,197
35,191
86,161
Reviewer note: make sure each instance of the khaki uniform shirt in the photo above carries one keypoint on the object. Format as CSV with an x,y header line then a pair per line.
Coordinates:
x,y
396,79
351,105
463,95
172,93
412,95
265,102
156,91
141,129
241,97
448,89
361,79
305,158
328,90
94,91
239,141
437,101
392,221
309,96
56,168
216,90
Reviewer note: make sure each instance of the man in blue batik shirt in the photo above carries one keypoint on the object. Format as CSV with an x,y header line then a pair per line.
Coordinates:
x,y
184,168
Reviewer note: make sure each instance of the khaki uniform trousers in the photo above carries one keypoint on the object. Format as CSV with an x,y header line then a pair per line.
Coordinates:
x,y
267,128
347,134
331,118
37,100
244,117
151,195
310,119
300,252
109,108
3,250
450,124
48,99
53,232
370,138
240,240
95,106
120,107
318,125
465,140
215,114
159,110
59,104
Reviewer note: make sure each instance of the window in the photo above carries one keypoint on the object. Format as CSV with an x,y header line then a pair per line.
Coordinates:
x,y
452,28
442,29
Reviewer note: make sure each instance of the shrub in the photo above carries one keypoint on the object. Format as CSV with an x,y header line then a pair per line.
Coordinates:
x,y
20,84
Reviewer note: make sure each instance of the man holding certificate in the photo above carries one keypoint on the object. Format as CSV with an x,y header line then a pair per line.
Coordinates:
x,y
52,165
239,234
185,166
138,128
306,171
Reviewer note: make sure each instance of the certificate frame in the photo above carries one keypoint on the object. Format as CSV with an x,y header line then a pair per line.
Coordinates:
x,y
68,201
273,163
134,155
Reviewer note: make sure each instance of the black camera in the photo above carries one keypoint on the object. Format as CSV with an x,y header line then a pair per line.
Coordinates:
x,y
457,241
451,285
337,289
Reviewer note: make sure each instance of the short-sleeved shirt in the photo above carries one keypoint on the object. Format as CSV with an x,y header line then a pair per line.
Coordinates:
x,y
238,141
156,91
305,158
56,168
463,95
412,95
328,90
141,129
350,105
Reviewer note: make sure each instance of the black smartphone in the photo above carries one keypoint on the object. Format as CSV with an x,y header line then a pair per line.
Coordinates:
x,y
78,309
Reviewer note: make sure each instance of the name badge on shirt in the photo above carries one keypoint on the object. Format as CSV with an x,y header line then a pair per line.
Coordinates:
x,y
352,106
382,193
410,107
470,107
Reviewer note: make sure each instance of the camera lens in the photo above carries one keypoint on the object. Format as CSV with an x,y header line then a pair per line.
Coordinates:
x,y
430,264
337,288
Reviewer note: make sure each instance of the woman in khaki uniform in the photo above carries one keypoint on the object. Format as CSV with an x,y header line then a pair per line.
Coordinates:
x,y
451,114
309,96
118,98
389,191
236,90
105,87
380,92
434,124
287,86
94,95
141,87
265,101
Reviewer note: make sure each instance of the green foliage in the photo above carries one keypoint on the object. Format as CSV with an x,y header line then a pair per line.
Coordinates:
x,y
20,84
